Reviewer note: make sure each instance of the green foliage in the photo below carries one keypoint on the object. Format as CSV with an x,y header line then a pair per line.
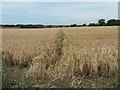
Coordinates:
x,y
101,22
113,22
93,24
73,25
84,25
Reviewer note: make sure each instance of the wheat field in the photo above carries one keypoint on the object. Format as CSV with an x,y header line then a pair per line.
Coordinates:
x,y
77,57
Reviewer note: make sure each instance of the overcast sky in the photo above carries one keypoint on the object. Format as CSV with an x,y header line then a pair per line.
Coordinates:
x,y
60,0
57,13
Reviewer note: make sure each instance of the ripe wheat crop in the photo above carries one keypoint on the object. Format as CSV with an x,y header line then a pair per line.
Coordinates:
x,y
64,57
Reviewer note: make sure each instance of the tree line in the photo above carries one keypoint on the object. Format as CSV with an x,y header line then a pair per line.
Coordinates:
x,y
101,22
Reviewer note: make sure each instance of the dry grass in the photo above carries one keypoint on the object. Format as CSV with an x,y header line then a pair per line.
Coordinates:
x,y
65,57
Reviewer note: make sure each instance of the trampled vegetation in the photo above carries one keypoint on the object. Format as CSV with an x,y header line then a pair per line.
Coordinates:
x,y
64,57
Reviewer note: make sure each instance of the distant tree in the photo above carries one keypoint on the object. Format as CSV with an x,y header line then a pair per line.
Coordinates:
x,y
93,24
101,22
113,22
67,26
84,25
73,25
60,26
49,26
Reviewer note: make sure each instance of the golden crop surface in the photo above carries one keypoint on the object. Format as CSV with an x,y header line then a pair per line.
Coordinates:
x,y
81,57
